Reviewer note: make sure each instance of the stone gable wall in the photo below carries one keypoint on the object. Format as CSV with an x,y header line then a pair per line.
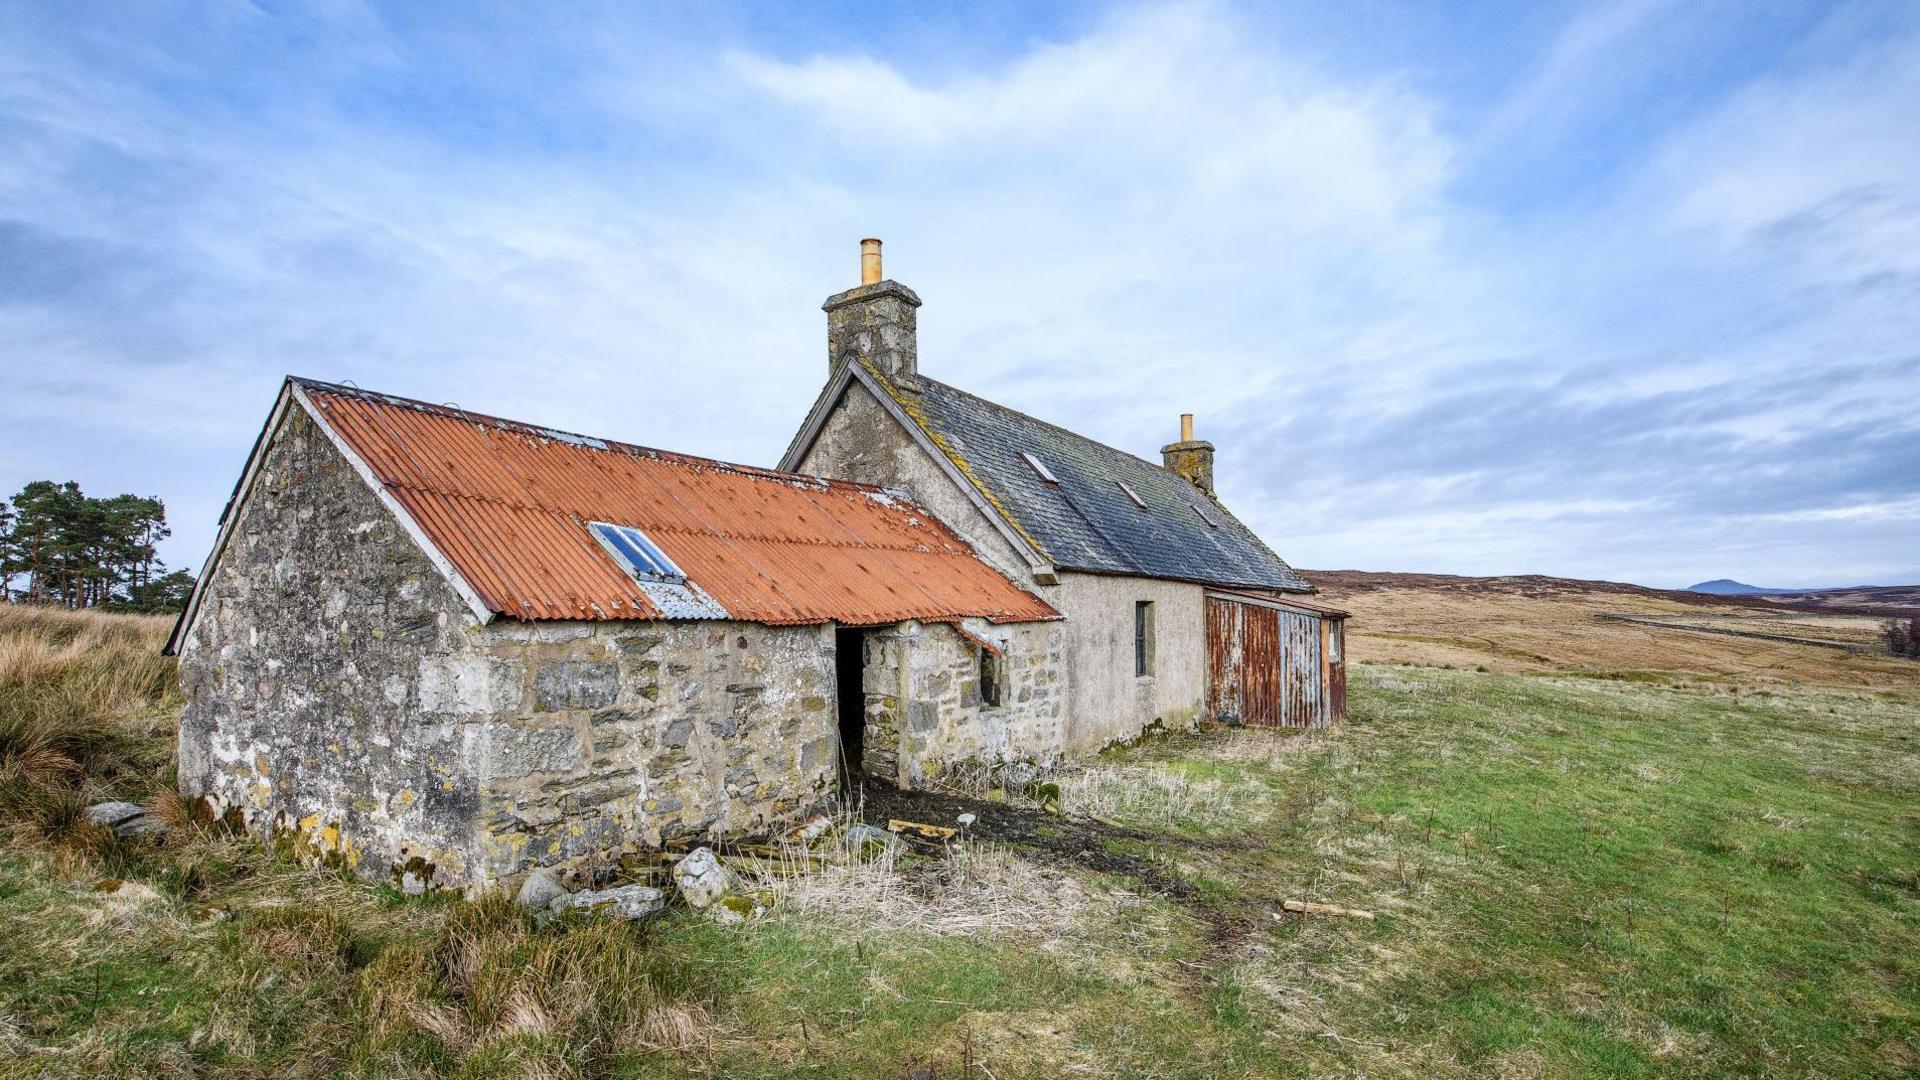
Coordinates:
x,y
341,696
319,674
860,441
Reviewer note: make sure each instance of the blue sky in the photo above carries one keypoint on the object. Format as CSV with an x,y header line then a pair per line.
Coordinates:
x,y
1624,291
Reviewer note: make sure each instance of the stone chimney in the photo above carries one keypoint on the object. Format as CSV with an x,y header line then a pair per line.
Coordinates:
x,y
874,324
1190,457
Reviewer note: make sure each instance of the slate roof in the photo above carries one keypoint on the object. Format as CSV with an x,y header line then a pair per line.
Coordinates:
x,y
1086,521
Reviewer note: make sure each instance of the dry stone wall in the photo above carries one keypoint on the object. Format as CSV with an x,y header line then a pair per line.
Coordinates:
x,y
946,720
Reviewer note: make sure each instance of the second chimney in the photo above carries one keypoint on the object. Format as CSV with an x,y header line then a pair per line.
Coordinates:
x,y
1190,457
874,324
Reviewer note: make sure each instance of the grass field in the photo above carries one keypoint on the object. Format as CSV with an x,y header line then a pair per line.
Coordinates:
x,y
1580,868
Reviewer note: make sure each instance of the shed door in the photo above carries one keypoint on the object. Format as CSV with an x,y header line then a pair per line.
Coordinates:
x,y
1263,664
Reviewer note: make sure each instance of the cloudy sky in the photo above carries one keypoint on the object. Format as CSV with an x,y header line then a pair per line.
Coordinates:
x,y
1625,291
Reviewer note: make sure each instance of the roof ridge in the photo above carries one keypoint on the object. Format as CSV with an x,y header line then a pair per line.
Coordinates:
x,y
962,411
455,412
1011,411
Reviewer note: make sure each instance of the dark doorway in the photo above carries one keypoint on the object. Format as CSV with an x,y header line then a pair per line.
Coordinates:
x,y
849,682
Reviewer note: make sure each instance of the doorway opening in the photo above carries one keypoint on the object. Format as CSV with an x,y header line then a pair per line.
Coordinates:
x,y
850,695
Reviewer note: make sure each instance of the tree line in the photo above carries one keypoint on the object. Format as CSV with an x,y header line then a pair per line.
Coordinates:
x,y
60,546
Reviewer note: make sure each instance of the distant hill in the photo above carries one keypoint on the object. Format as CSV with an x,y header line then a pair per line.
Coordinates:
x,y
1530,622
1879,601
1730,587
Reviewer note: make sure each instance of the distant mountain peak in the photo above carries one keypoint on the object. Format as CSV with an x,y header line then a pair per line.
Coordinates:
x,y
1730,587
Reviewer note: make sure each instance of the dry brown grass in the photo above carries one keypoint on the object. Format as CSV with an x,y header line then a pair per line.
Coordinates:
x,y
81,695
979,889
1157,796
1499,627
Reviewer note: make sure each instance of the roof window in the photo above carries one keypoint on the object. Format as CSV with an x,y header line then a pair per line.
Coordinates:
x,y
1206,517
1040,468
635,553
1132,494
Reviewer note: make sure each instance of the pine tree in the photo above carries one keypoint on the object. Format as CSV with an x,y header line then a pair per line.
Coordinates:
x,y
84,552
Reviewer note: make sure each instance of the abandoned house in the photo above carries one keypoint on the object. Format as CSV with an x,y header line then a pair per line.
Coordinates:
x,y
451,648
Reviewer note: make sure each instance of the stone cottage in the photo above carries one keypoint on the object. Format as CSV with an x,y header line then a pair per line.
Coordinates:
x,y
450,648
1173,608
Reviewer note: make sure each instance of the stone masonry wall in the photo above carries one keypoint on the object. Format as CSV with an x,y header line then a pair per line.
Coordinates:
x,y
341,695
633,733
861,442
317,674
946,721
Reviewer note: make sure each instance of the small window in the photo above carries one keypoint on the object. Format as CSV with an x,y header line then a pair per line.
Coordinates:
x,y
635,553
1206,517
1142,638
989,678
1132,494
1040,468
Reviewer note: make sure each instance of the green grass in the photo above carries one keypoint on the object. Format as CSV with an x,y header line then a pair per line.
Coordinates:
x,y
1574,877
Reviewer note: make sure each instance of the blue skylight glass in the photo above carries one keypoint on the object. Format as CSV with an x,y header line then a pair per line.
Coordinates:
x,y
640,556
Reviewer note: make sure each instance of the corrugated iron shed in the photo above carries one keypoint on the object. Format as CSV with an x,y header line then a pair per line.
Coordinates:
x,y
508,504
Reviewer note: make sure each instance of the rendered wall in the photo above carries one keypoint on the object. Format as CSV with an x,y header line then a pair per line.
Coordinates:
x,y
1108,702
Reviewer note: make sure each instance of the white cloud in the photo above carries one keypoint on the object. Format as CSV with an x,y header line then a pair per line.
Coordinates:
x,y
1163,214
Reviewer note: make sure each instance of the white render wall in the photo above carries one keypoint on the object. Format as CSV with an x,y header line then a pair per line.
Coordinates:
x,y
1107,702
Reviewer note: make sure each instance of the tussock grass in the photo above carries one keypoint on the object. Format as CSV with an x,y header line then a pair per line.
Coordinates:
x,y
80,695
1163,796
1575,877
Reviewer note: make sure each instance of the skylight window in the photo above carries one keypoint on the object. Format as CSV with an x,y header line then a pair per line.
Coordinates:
x,y
1040,468
1206,517
1132,494
639,556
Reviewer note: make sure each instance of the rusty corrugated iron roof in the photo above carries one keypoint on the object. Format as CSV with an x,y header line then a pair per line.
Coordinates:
x,y
508,505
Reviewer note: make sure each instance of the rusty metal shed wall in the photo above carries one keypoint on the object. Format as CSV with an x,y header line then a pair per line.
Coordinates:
x,y
508,505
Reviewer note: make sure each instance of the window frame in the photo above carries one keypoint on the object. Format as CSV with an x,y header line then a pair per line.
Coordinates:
x,y
990,670
1040,469
613,538
1144,633
1132,494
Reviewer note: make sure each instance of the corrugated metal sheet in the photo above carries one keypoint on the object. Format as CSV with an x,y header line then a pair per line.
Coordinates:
x,y
1270,665
508,504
